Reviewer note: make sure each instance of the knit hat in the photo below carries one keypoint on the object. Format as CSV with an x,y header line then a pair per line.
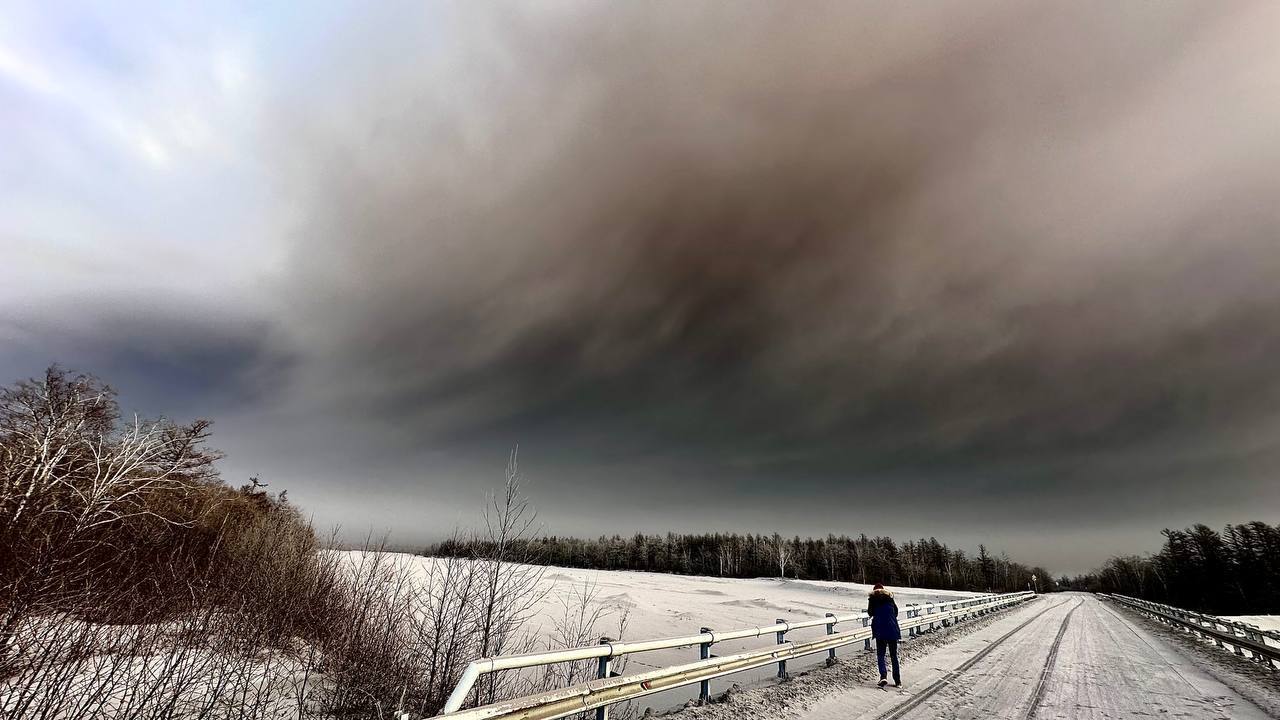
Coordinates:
x,y
878,586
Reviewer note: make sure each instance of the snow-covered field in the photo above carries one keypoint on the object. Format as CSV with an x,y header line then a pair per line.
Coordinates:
x,y
1262,622
658,605
664,605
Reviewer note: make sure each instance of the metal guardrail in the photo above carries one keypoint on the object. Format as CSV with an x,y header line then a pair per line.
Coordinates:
x,y
1244,639
609,688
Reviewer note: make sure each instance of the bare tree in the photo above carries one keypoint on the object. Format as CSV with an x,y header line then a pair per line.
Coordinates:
x,y
780,549
510,583
581,622
71,481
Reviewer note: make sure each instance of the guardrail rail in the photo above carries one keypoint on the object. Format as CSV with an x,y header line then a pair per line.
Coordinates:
x,y
609,688
1243,639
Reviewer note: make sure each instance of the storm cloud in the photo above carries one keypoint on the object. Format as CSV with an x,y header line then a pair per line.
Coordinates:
x,y
748,265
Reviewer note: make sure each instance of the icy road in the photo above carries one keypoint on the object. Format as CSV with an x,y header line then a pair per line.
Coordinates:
x,y
1063,656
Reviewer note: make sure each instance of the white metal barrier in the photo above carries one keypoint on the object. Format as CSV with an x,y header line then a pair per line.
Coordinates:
x,y
1241,637
609,688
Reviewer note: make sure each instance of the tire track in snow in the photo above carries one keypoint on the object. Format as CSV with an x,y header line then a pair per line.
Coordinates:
x,y
1043,684
945,680
1128,626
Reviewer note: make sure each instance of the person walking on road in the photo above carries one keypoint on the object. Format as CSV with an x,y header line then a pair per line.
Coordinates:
x,y
884,628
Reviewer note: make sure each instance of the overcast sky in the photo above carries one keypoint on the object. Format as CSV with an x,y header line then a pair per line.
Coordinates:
x,y
988,271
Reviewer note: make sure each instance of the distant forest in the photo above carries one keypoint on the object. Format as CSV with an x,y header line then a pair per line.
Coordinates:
x,y
920,563
1233,572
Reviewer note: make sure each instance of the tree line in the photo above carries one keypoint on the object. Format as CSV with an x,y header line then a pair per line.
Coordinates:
x,y
862,559
1233,572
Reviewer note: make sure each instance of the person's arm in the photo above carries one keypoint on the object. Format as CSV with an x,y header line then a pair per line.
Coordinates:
x,y
871,606
895,607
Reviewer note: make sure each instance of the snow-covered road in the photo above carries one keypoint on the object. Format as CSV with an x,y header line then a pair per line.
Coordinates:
x,y
1063,656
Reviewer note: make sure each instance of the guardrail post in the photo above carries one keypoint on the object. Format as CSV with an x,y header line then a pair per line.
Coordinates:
x,y
782,638
704,653
911,631
1253,634
831,630
866,644
602,671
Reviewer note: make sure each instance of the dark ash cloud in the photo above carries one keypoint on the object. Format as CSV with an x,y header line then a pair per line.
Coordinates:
x,y
950,228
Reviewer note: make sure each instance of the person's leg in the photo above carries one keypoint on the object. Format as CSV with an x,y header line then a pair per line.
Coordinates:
x,y
893,653
880,657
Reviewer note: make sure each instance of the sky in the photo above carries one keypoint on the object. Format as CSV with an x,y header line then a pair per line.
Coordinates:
x,y
990,271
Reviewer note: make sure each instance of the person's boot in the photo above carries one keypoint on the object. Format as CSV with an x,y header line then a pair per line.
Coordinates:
x,y
882,683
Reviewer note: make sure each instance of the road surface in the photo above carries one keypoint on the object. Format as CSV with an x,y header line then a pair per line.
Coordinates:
x,y
1062,656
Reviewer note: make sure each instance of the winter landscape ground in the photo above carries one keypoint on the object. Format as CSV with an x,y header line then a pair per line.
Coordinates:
x,y
573,607
1063,655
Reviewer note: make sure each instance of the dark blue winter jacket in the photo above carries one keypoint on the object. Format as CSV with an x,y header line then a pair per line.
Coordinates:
x,y
884,616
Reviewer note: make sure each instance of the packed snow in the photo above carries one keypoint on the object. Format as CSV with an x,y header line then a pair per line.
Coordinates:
x,y
1066,656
